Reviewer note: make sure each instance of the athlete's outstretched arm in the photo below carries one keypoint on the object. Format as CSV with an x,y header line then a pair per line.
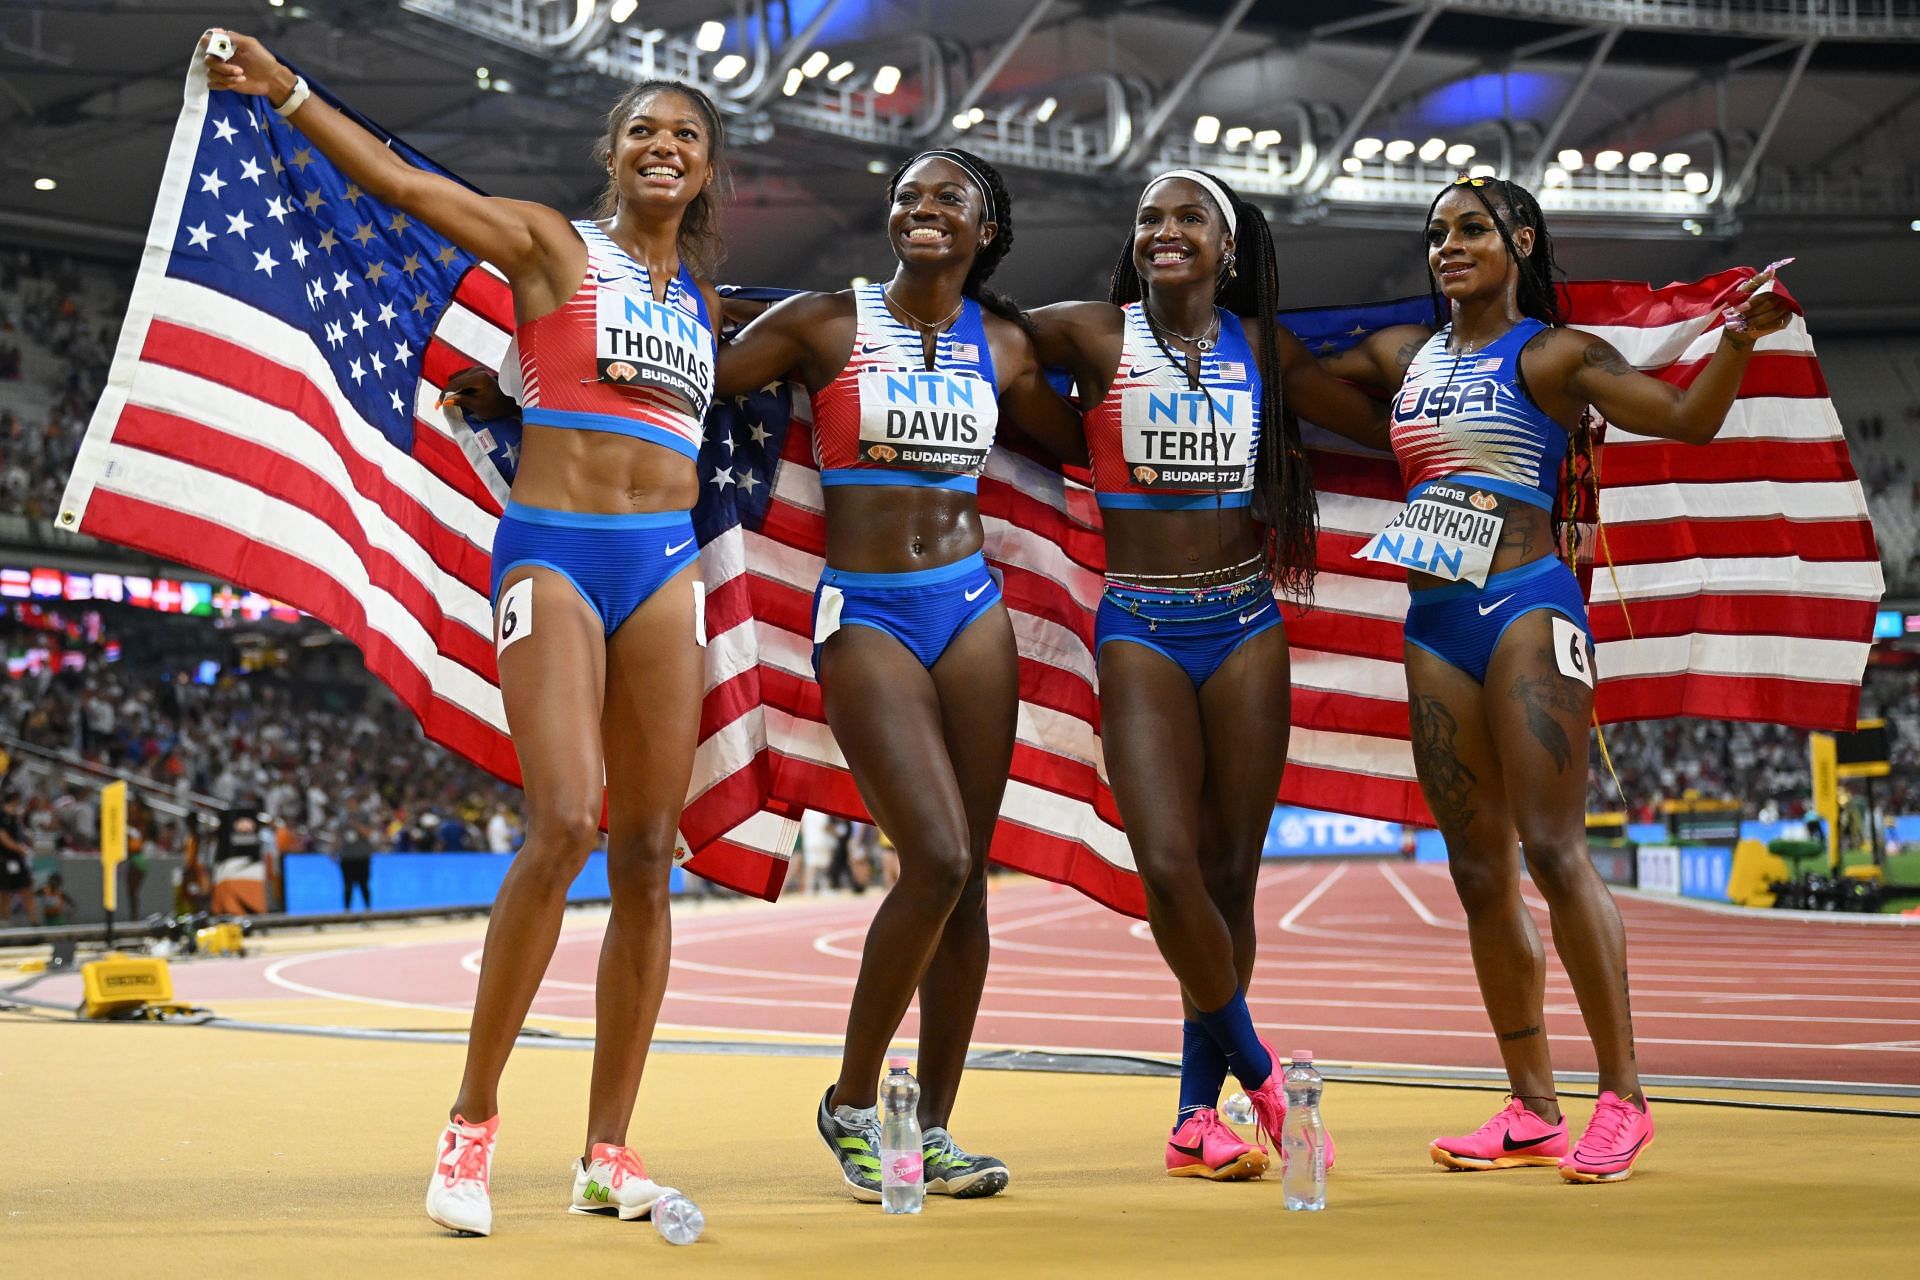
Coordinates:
x,y
1325,400
1380,359
1029,401
517,236
1593,372
785,341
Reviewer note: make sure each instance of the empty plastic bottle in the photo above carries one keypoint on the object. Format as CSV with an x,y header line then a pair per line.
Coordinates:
x,y
1303,1147
1238,1110
678,1219
903,1186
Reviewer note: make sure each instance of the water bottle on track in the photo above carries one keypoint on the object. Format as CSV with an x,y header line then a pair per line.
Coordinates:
x,y
902,1181
1303,1147
678,1219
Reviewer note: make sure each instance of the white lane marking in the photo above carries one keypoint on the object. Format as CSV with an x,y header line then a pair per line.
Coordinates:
x,y
1313,896
1419,907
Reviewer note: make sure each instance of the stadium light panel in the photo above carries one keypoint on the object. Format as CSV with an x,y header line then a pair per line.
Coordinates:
x,y
816,63
1608,161
1675,161
963,121
1354,164
1046,109
1697,182
1432,149
886,80
44,184
1482,171
876,166
839,72
1399,149
1570,160
729,67
1206,130
1460,152
794,81
622,10
1641,161
1557,177
712,34
1367,148
1266,138
1237,135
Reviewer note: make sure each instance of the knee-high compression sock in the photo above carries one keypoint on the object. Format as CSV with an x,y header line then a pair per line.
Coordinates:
x,y
1203,1070
1231,1027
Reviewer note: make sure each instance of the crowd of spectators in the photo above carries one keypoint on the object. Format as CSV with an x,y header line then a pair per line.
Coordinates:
x,y
44,302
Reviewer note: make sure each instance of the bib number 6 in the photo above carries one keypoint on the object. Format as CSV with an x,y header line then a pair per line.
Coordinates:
x,y
514,618
1572,652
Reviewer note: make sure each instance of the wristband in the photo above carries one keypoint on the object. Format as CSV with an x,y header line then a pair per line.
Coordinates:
x,y
294,100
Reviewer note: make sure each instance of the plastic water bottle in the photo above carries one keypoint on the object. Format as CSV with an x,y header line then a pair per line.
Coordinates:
x,y
1303,1147
1239,1109
902,1183
678,1219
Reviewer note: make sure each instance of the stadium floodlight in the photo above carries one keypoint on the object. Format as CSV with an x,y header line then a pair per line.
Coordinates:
x,y
729,67
481,73
1367,148
1570,160
1482,171
816,63
1354,164
1911,226
1206,130
503,86
839,72
1557,177
1641,161
1460,152
1237,135
886,80
623,9
859,281
1044,112
1691,227
1607,161
976,115
712,34
1697,182
1675,161
876,166
1266,138
963,121
44,184
794,81
1432,149
1399,149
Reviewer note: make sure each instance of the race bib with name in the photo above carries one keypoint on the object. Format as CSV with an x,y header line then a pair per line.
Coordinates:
x,y
926,420
1448,531
642,343
1170,439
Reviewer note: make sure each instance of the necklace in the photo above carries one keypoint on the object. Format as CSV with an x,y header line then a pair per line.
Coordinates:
x,y
886,291
1202,343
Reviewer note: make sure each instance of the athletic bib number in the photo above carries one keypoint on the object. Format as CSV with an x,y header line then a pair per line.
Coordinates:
x,y
1171,441
513,620
1571,652
926,420
638,342
1446,532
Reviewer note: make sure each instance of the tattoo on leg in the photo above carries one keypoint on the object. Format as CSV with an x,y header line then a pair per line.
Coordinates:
x,y
1541,696
1518,535
1447,781
1526,1033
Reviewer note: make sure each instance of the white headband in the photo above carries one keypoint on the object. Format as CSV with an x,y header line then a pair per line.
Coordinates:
x,y
1208,185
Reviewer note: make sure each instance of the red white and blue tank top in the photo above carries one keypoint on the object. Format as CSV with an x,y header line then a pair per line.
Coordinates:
x,y
1157,442
1469,416
888,419
613,359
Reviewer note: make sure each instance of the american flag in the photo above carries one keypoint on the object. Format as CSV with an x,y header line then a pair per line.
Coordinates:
x,y
231,437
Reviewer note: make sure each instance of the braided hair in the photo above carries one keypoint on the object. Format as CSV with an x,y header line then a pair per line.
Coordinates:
x,y
994,251
1283,493
1537,295
699,242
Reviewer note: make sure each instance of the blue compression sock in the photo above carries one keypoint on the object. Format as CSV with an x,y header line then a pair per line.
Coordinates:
x,y
1203,1070
1231,1027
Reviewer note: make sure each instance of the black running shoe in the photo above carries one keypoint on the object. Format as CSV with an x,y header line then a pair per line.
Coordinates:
x,y
857,1150
957,1173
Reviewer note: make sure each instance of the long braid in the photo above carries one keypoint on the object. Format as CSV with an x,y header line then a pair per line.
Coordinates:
x,y
1537,295
1283,494
989,258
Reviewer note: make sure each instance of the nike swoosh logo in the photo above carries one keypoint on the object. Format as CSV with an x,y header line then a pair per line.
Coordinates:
x,y
1622,1155
1486,609
975,593
1507,1141
872,348
674,551
1187,1151
1141,373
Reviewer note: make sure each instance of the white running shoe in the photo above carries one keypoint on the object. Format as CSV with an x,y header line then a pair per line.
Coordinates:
x,y
459,1195
614,1181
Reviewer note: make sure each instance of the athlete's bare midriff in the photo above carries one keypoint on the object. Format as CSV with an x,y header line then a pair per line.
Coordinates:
x,y
899,529
564,469
1525,536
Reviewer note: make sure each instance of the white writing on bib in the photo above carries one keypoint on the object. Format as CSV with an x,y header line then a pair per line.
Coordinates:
x,y
926,420
638,342
1170,438
1444,532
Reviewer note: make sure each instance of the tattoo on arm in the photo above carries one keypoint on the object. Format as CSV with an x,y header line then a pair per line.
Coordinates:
x,y
1403,358
1602,356
1525,1033
1541,696
1447,781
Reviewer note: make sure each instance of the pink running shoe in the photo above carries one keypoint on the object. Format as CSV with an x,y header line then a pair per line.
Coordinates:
x,y
1270,1106
459,1195
1615,1137
1204,1147
1513,1139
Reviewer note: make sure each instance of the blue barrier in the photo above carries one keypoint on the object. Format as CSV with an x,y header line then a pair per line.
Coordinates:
x,y
1704,872
405,881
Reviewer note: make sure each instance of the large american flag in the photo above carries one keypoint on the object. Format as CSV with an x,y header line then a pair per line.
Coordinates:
x,y
270,418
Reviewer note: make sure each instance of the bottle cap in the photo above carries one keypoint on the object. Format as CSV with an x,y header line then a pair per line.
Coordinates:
x,y
898,1062
1303,1055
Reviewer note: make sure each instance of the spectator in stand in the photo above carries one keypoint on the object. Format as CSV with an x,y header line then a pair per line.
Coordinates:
x,y
56,907
16,866
356,866
502,835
